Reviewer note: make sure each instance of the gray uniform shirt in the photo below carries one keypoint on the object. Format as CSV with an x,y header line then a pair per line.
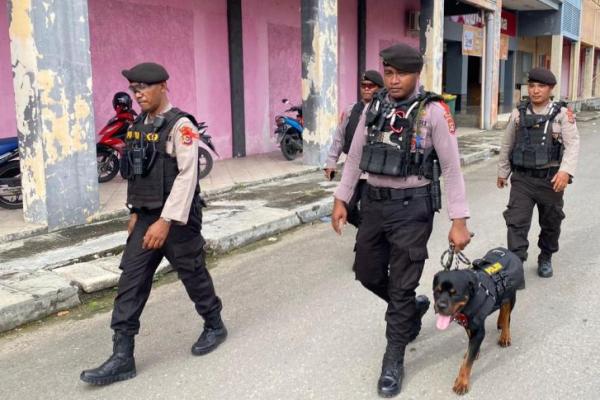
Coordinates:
x,y
182,143
339,138
564,129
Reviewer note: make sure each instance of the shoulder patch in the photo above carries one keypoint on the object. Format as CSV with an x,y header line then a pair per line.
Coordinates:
x,y
188,135
570,116
448,117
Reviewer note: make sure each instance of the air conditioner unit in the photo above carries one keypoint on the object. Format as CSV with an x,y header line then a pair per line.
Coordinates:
x,y
412,23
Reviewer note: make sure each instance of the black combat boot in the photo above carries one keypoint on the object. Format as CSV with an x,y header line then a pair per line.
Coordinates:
x,y
392,372
119,367
422,303
544,269
212,336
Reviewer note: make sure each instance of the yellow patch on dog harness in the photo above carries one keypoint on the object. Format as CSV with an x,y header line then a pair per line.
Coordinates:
x,y
493,269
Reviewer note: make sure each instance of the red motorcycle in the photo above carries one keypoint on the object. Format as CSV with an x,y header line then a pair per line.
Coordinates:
x,y
111,143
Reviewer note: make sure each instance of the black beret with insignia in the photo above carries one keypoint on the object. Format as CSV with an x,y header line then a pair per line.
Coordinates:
x,y
373,76
542,75
147,72
402,57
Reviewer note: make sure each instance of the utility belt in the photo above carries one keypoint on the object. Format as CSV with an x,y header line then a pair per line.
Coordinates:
x,y
541,173
383,193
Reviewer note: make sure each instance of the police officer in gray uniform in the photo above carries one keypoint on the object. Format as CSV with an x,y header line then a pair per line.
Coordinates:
x,y
401,140
371,81
540,148
163,195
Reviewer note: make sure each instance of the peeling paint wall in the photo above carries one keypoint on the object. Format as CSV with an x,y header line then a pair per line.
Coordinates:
x,y
53,94
432,44
319,77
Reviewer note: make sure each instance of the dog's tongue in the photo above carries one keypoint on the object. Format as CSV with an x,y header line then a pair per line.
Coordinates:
x,y
443,322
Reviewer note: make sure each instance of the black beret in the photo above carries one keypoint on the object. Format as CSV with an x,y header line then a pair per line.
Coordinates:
x,y
402,57
147,72
373,76
542,75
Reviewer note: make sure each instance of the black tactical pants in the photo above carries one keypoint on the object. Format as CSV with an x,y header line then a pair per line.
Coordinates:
x,y
184,250
525,193
391,250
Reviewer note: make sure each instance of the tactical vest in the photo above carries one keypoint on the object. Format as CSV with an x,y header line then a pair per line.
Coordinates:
x,y
394,146
149,170
352,124
499,272
534,146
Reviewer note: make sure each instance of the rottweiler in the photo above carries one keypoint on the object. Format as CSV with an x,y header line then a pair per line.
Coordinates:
x,y
468,296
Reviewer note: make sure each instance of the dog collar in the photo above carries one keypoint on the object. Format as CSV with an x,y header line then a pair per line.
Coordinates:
x,y
461,319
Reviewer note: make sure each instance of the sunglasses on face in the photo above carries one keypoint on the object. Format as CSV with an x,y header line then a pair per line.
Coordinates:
x,y
139,87
368,86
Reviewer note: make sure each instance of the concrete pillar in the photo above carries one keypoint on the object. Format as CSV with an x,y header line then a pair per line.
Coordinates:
x,y
588,73
432,43
575,61
596,79
556,56
52,77
319,77
491,67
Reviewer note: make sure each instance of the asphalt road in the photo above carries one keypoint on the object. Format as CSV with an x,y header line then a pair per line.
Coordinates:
x,y
301,327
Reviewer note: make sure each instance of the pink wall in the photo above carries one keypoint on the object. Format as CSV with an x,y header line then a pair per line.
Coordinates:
x,y
386,25
565,75
8,118
272,66
189,37
347,53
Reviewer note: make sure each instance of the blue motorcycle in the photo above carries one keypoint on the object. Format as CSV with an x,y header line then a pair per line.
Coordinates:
x,y
11,195
288,132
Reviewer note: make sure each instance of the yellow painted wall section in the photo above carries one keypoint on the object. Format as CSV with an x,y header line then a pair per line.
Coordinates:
x,y
24,56
589,20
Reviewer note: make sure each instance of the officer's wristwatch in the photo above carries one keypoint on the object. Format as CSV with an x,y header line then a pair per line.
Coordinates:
x,y
167,220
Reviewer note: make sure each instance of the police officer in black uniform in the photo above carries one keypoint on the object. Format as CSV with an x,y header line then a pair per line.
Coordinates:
x,y
163,194
540,149
401,141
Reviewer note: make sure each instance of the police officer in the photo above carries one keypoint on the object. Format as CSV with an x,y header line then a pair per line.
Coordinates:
x,y
370,82
399,141
163,194
540,148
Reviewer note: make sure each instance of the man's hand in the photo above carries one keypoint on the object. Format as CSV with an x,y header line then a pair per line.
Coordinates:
x,y
156,235
338,216
501,183
560,181
459,235
131,224
329,173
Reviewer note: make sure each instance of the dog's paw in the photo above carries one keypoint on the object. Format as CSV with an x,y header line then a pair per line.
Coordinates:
x,y
504,341
461,386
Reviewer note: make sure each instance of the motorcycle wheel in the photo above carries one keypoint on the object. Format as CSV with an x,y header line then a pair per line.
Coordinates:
x,y
11,170
205,162
289,147
108,165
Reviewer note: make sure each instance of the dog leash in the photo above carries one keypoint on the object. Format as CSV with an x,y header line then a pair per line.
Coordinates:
x,y
450,256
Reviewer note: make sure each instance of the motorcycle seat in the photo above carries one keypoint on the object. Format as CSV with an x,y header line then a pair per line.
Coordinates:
x,y
8,144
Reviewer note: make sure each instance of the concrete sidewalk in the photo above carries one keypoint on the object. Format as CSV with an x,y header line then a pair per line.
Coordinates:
x,y
45,273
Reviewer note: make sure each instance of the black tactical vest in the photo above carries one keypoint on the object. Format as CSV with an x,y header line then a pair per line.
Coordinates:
x,y
394,146
352,124
500,273
150,188
534,145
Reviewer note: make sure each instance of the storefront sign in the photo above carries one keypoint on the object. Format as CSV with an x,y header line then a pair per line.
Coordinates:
x,y
508,25
504,47
472,41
